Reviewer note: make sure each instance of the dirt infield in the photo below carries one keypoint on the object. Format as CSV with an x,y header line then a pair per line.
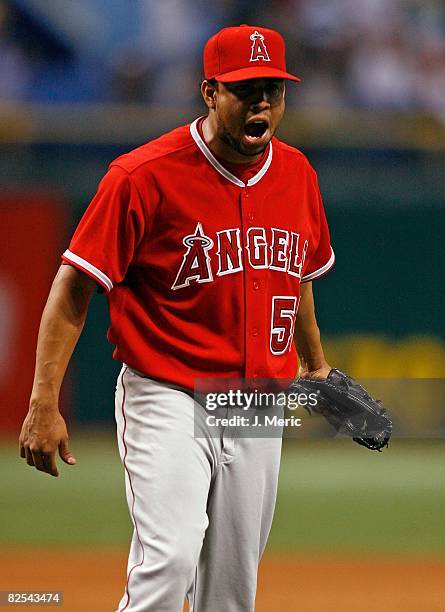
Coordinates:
x,y
94,581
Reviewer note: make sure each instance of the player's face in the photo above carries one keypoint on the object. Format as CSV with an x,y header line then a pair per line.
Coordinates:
x,y
247,113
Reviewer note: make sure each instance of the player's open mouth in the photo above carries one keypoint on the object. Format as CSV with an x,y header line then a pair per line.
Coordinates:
x,y
255,130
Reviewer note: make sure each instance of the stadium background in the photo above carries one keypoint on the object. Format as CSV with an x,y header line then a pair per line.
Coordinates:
x,y
82,82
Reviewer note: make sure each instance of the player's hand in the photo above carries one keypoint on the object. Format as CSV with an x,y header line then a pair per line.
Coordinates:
x,y
319,374
43,433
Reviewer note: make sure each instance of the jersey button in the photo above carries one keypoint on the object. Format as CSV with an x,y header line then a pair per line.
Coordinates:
x,y
251,217
256,285
255,331
245,193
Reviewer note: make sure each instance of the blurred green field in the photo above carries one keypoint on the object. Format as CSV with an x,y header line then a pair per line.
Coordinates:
x,y
333,496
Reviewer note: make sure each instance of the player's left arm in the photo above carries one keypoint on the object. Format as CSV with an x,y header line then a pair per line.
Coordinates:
x,y
313,363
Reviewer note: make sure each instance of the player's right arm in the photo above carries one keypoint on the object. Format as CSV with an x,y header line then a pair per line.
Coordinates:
x,y
44,430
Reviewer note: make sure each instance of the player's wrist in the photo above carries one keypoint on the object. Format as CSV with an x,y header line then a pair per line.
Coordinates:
x,y
317,369
44,403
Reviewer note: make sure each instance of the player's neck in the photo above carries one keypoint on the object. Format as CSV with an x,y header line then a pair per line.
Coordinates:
x,y
222,150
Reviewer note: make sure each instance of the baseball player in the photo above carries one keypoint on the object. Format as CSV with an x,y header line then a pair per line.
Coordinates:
x,y
206,241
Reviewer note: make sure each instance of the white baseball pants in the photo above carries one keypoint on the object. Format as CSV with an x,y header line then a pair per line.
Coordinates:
x,y
201,507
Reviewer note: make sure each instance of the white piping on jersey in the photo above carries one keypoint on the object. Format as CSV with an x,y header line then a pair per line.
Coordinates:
x,y
220,168
103,278
321,270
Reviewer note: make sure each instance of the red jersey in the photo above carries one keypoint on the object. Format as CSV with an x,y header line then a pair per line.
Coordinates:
x,y
203,270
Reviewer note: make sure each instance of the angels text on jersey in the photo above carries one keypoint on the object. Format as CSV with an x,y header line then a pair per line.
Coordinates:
x,y
204,258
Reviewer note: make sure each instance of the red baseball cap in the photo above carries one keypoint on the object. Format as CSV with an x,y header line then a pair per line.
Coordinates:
x,y
245,52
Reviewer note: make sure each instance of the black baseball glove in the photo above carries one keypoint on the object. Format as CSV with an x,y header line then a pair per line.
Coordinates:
x,y
348,408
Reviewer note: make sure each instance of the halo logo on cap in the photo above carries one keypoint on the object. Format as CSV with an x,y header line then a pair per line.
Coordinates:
x,y
259,49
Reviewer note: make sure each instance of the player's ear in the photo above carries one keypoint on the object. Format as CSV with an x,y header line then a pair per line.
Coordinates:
x,y
209,87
